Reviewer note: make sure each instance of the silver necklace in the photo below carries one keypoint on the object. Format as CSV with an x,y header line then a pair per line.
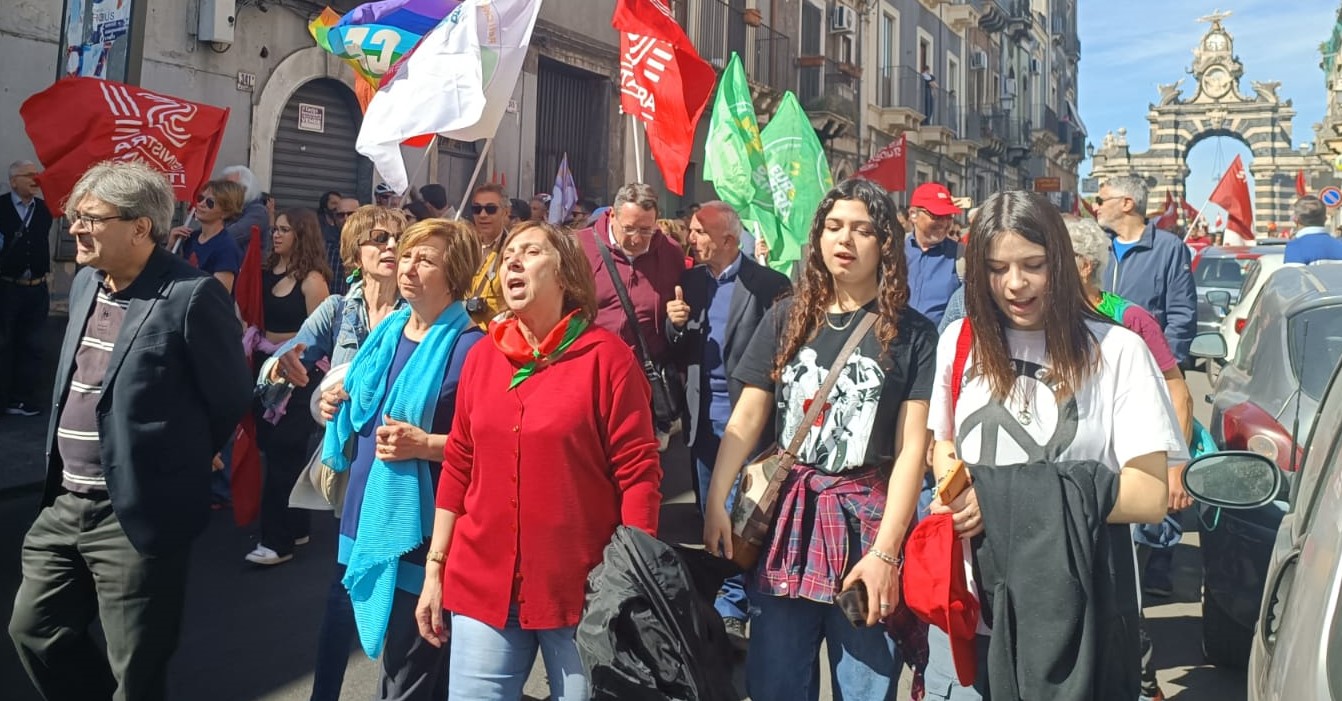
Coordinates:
x,y
851,315
1023,415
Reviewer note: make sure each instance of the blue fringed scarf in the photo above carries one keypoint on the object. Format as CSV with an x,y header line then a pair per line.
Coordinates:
x,y
398,500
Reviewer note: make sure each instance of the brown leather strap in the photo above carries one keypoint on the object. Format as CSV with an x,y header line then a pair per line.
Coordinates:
x,y
822,394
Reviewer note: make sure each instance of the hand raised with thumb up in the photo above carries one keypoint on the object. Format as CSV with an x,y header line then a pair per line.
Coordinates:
x,y
677,311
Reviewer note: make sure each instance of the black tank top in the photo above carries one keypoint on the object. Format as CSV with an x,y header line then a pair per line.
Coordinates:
x,y
283,314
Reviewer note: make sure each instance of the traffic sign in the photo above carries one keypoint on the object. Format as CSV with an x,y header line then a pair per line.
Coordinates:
x,y
1331,196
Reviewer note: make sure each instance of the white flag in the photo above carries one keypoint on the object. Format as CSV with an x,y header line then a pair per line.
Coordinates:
x,y
565,193
439,87
504,32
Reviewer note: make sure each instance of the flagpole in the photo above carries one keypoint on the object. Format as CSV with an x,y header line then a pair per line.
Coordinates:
x,y
433,143
479,165
190,217
638,148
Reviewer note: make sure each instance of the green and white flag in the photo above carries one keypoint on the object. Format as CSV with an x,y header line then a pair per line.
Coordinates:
x,y
798,175
734,155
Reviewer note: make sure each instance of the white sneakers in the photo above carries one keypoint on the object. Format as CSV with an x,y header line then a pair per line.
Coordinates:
x,y
265,556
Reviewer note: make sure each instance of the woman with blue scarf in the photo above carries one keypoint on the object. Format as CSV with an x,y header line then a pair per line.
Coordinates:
x,y
389,434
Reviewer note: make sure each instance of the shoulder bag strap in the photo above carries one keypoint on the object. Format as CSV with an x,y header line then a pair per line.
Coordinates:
x,y
818,401
963,342
623,294
493,271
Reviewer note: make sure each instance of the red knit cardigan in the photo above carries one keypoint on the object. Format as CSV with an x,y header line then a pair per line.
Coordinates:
x,y
539,477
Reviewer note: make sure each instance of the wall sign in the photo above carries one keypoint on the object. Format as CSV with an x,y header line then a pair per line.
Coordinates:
x,y
311,117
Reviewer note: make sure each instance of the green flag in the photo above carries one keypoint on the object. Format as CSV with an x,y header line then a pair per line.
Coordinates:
x,y
799,177
734,156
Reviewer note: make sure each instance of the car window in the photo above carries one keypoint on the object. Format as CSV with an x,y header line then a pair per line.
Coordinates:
x,y
1321,459
1249,337
1251,273
1315,342
1221,272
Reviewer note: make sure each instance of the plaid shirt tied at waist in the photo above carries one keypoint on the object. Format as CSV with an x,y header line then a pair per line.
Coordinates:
x,y
819,517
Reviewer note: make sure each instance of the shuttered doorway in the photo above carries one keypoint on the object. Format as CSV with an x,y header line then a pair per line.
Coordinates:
x,y
573,117
314,147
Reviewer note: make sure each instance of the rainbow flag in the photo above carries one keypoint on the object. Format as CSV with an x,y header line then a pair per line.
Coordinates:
x,y
375,35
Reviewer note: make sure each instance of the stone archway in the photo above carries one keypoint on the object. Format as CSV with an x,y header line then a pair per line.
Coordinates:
x,y
1261,120
295,70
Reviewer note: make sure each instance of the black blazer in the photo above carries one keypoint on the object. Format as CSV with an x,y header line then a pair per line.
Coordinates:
x,y
757,288
176,385
25,247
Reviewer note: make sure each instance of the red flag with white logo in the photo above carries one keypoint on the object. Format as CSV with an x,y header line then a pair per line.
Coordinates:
x,y
888,167
1232,193
663,82
1301,188
78,122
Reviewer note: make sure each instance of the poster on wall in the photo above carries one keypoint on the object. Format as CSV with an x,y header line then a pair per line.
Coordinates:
x,y
96,38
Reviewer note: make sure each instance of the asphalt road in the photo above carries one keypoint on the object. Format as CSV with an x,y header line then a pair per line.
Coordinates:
x,y
249,633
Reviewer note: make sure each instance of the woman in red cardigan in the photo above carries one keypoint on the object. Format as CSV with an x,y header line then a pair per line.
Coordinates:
x,y
551,448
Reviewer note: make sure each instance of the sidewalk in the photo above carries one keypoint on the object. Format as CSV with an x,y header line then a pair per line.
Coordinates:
x,y
22,438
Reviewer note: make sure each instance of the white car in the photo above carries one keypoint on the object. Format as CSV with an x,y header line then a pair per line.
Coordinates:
x,y
1255,276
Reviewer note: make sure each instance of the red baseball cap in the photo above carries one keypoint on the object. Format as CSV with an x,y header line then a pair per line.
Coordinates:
x,y
936,590
935,198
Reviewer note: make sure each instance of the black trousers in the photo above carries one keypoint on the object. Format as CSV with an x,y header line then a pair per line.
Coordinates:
x,y
285,449
23,317
78,565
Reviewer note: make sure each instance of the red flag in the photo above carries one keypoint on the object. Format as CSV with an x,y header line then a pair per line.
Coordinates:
x,y
1190,212
78,122
1232,193
245,482
1169,219
663,82
888,167
1301,189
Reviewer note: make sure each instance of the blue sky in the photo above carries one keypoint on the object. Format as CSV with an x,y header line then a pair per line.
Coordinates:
x,y
1128,47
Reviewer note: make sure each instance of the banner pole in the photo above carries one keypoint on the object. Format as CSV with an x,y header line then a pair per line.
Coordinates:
x,y
479,165
190,217
638,148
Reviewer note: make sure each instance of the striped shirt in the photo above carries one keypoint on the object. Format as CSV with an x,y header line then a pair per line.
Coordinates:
x,y
77,432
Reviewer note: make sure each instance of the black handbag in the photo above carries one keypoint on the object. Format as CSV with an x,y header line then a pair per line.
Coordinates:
x,y
668,392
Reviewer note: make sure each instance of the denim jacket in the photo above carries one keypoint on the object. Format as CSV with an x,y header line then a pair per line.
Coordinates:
x,y
336,330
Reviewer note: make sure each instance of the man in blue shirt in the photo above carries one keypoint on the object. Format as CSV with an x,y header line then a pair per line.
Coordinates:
x,y
716,308
930,251
1311,242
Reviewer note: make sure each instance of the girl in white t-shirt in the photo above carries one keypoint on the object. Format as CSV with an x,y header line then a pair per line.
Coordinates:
x,y
1045,378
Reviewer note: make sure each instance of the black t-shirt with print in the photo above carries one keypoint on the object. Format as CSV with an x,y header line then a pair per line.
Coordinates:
x,y
858,424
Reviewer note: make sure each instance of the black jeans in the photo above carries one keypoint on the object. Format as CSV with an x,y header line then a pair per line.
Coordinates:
x,y
285,449
23,316
78,565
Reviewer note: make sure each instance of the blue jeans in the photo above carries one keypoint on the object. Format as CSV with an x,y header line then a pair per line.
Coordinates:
x,y
941,680
335,641
732,601
492,664
785,637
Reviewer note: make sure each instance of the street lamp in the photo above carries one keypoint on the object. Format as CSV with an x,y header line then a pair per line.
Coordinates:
x,y
1090,150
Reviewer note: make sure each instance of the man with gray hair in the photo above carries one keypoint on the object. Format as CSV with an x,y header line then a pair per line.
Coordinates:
x,y
1307,246
645,264
1150,267
716,309
25,260
254,212
150,384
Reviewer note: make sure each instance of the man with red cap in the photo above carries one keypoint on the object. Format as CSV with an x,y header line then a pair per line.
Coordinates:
x,y
930,251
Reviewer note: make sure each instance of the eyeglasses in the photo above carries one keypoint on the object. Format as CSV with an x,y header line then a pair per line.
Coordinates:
x,y
377,237
1099,201
644,233
207,201
91,222
929,215
490,209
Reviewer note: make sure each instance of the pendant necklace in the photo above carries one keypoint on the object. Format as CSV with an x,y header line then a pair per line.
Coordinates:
x,y
1023,415
851,315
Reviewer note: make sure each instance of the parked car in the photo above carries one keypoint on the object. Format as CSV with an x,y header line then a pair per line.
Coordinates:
x,y
1219,269
1296,639
1256,275
1263,401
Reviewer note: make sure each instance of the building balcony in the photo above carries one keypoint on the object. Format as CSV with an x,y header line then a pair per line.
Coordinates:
x,y
718,29
827,90
1047,126
1019,136
942,118
993,15
932,5
961,15
898,99
1020,19
987,127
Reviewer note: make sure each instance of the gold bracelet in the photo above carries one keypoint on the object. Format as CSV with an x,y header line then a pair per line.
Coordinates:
x,y
437,556
885,557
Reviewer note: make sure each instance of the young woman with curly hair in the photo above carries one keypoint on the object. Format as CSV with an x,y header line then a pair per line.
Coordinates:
x,y
852,493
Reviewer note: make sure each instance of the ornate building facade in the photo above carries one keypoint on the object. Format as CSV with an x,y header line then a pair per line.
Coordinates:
x,y
1215,106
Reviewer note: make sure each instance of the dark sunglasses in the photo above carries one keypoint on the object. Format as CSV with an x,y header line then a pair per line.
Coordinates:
x,y
490,209
377,237
1099,201
207,201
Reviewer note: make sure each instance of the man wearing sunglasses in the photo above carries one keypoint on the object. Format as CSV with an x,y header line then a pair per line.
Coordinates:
x,y
930,250
489,210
